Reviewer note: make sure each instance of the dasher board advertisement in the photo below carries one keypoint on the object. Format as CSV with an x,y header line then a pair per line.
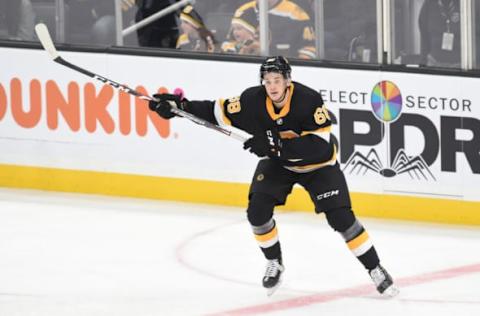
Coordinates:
x,y
397,133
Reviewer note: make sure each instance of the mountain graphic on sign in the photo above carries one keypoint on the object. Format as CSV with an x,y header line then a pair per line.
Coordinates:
x,y
415,167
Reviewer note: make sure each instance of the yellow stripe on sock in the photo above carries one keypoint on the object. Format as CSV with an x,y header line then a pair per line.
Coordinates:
x,y
268,236
358,241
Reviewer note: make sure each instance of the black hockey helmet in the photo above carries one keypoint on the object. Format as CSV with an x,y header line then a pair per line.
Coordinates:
x,y
276,64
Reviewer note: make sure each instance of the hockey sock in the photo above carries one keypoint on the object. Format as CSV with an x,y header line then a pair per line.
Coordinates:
x,y
359,242
267,238
260,217
355,236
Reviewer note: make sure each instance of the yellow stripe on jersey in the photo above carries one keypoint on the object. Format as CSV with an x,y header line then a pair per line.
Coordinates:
x,y
219,112
326,129
308,168
323,133
290,9
284,8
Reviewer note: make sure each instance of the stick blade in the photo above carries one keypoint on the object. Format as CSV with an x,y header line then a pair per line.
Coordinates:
x,y
46,40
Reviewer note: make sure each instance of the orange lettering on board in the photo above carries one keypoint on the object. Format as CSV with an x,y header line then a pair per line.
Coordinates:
x,y
96,108
30,118
162,90
56,103
143,115
124,113
3,102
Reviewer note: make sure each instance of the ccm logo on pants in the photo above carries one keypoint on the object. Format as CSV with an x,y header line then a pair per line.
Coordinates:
x,y
326,195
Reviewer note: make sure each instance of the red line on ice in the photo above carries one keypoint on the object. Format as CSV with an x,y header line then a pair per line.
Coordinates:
x,y
351,292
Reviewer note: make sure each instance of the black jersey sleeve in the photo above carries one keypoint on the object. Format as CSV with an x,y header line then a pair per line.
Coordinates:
x,y
201,109
236,112
223,112
229,111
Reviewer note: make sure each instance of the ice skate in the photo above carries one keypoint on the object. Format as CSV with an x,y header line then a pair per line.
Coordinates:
x,y
383,281
272,279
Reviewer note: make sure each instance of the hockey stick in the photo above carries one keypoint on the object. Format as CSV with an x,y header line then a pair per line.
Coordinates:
x,y
47,43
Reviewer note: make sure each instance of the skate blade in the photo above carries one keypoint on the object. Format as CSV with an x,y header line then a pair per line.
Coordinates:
x,y
272,290
391,291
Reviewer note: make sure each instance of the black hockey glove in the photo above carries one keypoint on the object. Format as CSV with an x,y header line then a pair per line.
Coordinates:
x,y
268,144
164,105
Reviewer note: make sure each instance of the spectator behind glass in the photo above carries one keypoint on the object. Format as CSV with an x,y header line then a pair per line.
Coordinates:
x,y
291,29
160,33
439,23
243,35
17,20
363,48
195,36
93,22
350,30
103,29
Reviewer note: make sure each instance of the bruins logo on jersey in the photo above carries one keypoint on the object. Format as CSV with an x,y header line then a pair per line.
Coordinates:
x,y
233,105
321,115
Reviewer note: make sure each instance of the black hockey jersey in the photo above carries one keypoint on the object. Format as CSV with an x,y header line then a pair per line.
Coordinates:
x,y
303,123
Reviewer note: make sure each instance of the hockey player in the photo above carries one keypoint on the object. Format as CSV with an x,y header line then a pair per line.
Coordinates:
x,y
291,133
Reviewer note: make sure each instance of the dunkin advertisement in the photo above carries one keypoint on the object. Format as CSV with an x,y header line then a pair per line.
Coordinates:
x,y
397,133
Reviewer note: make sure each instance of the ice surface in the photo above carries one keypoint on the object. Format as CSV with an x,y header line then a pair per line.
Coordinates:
x,y
69,254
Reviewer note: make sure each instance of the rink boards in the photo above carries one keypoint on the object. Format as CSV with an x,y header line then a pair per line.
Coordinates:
x,y
408,143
